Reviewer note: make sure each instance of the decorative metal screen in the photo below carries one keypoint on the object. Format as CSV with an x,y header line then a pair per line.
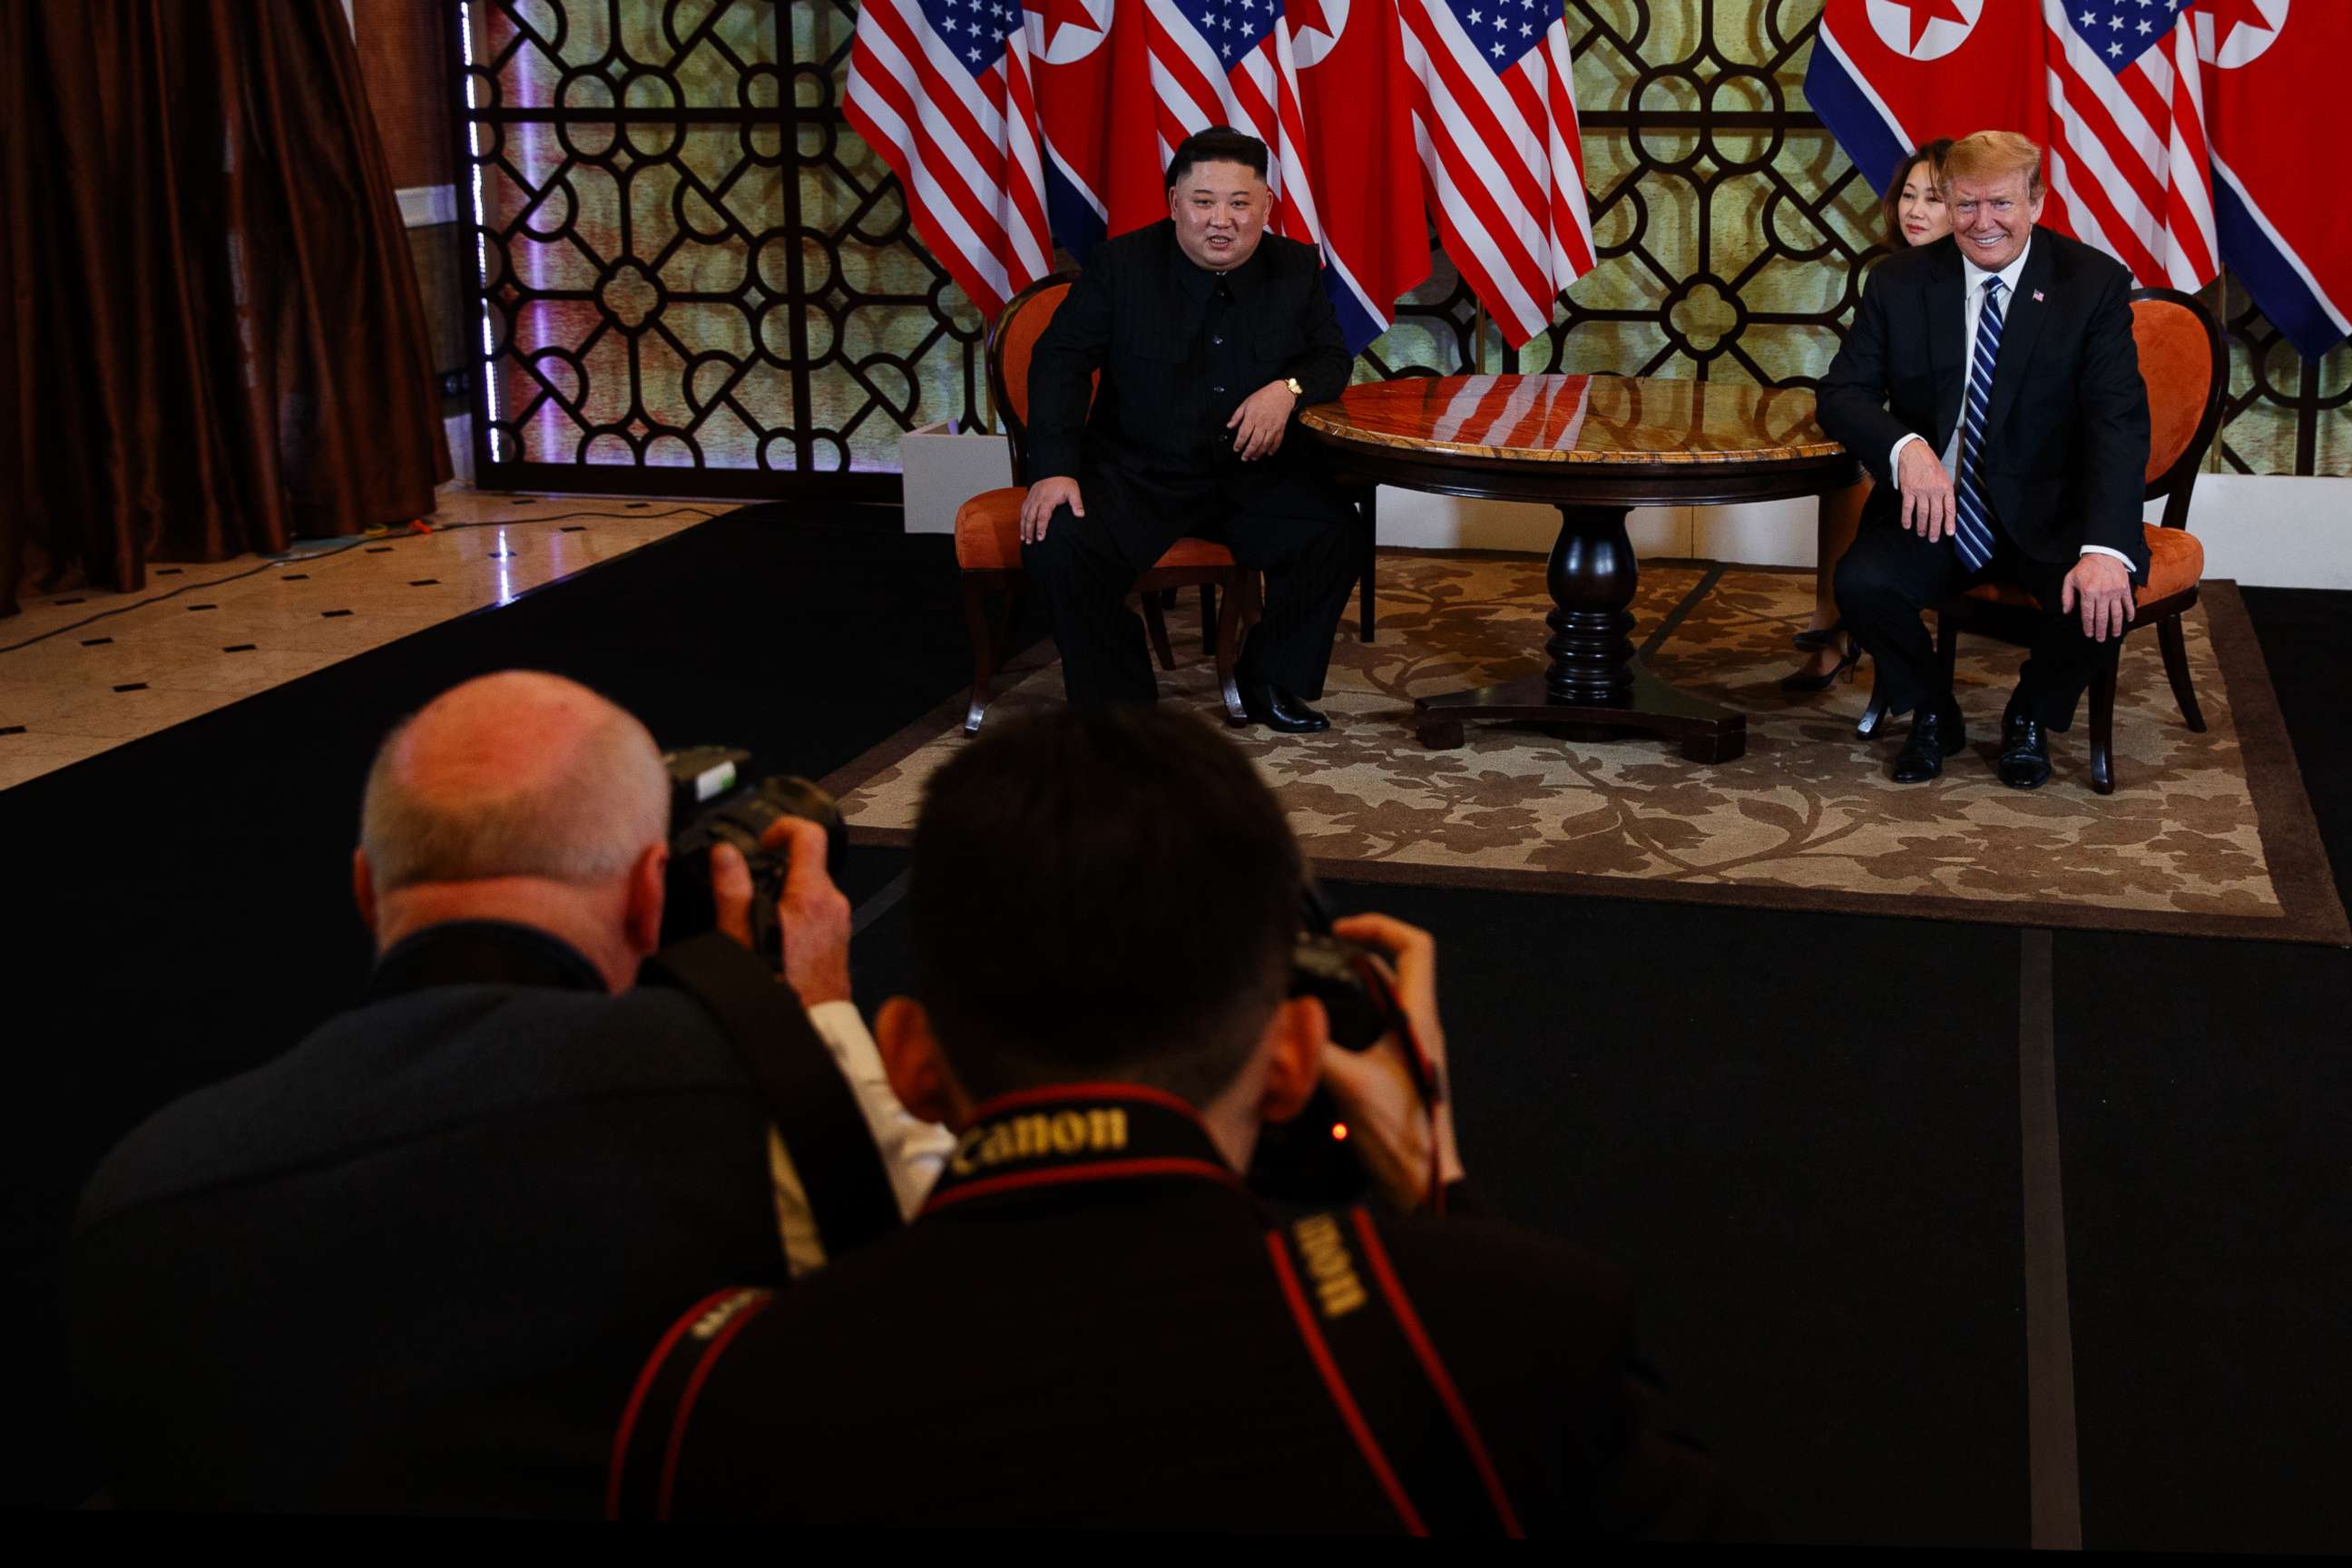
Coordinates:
x,y
697,279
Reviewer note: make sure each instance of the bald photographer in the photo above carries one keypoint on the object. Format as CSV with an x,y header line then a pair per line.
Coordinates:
x,y
411,1265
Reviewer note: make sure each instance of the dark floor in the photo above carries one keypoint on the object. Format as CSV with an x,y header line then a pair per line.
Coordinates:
x,y
1810,1162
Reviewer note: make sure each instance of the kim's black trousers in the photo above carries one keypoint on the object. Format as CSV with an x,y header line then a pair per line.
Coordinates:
x,y
1890,575
1086,566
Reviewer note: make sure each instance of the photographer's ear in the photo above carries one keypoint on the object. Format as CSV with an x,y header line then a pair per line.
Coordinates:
x,y
1293,1047
919,1074
364,889
642,913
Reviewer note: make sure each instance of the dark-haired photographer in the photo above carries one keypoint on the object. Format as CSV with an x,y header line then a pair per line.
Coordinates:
x,y
1094,1323
412,1264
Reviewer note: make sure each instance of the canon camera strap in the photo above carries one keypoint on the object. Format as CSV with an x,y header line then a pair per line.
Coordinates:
x,y
652,1433
1077,1133
1046,1137
848,1187
1385,1377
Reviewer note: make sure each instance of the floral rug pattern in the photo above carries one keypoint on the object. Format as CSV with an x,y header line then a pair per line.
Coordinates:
x,y
1805,818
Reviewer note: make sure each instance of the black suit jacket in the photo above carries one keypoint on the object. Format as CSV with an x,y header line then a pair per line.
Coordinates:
x,y
1113,1352
1154,447
413,1264
2066,448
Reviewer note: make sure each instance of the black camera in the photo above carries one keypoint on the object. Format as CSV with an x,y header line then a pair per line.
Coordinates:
x,y
1308,1160
711,804
1346,977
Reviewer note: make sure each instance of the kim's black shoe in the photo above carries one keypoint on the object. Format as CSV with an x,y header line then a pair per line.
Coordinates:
x,y
1936,733
1277,709
2025,751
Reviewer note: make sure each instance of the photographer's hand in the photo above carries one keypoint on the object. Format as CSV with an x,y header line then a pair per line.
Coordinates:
x,y
1375,1089
730,892
813,913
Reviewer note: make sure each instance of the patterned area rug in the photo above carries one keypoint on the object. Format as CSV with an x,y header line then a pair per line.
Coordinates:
x,y
2206,834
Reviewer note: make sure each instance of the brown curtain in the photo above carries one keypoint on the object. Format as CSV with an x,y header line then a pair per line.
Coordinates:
x,y
214,340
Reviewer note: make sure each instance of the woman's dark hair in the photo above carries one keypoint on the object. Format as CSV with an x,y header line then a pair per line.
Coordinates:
x,y
1106,895
1890,215
1217,144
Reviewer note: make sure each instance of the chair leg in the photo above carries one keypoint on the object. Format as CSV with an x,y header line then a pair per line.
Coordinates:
x,y
1012,617
2103,723
1229,648
983,652
1873,718
1209,618
1371,555
2175,667
1156,619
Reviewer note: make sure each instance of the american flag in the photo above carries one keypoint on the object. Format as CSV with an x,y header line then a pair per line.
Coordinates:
x,y
1229,62
1502,159
2127,154
1522,412
942,90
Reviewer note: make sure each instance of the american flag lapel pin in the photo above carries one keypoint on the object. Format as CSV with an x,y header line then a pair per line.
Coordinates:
x,y
2037,296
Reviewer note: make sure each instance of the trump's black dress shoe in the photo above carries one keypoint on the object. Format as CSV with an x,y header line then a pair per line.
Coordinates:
x,y
2025,751
1936,733
1277,709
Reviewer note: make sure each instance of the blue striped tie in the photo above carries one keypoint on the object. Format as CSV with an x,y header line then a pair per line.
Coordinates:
x,y
1973,536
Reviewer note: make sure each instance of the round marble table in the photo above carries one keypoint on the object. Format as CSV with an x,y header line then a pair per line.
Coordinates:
x,y
1595,446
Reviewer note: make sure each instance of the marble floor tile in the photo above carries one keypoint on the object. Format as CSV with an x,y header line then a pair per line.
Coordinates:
x,y
32,703
69,662
244,673
28,756
127,715
200,635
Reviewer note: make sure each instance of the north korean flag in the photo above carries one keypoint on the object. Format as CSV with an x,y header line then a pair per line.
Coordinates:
x,y
1094,105
1355,95
1888,75
2273,66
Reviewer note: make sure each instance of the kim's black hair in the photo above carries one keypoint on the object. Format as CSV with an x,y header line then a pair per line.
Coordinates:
x,y
1217,144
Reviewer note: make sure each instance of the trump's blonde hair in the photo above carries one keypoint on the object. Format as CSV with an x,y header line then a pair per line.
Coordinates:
x,y
1990,154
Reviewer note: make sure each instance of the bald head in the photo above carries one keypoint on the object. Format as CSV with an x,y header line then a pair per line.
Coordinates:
x,y
513,776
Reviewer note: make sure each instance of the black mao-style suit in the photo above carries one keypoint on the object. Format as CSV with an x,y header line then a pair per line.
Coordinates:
x,y
2061,465
1178,349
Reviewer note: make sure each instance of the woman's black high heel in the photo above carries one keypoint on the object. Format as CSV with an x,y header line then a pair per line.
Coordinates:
x,y
1800,681
1820,638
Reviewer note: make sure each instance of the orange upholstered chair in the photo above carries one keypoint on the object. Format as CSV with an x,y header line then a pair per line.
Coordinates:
x,y
988,528
2181,360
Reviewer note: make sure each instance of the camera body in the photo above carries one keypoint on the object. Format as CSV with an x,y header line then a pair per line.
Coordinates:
x,y
711,803
1341,976
1308,1160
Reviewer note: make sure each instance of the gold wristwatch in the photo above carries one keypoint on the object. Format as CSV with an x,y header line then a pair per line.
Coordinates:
x,y
1296,390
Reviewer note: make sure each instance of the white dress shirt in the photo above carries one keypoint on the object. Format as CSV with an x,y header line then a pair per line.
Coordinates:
x,y
914,1151
1972,309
